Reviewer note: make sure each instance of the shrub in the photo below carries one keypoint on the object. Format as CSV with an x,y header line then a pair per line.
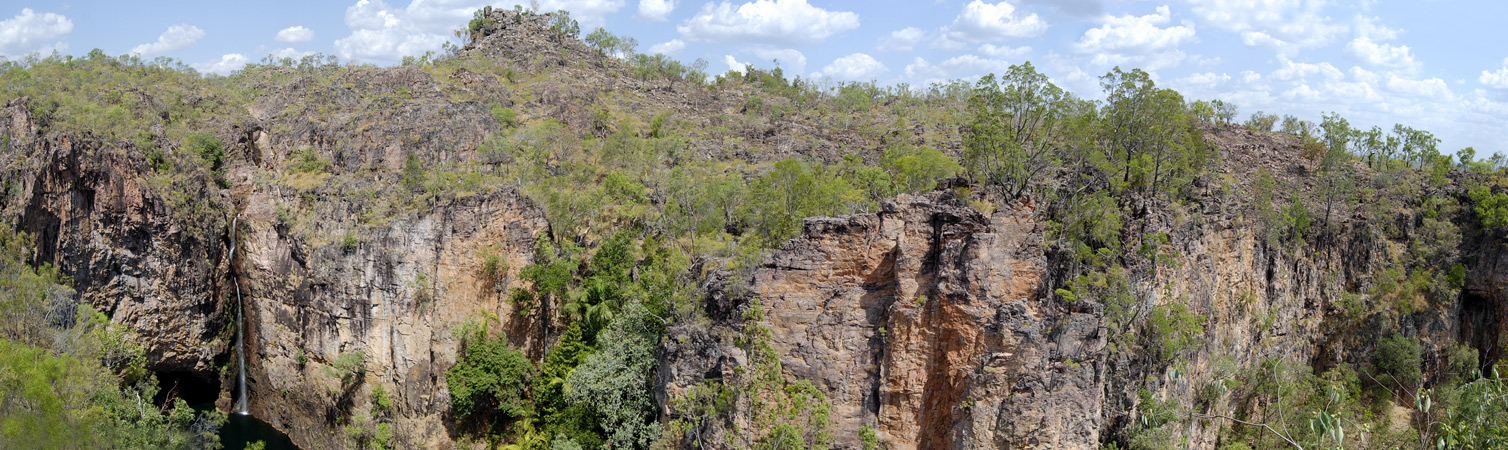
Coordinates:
x,y
1171,329
212,151
490,377
350,366
1491,207
917,169
306,159
381,404
1398,359
506,117
614,381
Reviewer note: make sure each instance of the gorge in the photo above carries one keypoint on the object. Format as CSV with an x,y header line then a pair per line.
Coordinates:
x,y
746,261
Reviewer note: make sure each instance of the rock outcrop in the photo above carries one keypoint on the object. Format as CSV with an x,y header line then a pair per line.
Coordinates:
x,y
926,323
97,217
394,297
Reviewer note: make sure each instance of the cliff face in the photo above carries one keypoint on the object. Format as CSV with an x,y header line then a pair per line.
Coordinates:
x,y
97,217
933,323
926,323
936,327
395,297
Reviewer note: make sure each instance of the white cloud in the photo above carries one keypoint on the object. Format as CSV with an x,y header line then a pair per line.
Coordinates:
x,y
1137,41
1136,34
656,10
381,34
1286,25
1366,48
177,37
288,53
901,40
441,16
1206,79
921,70
734,65
791,61
227,64
854,67
590,13
385,34
767,22
1078,8
1302,93
1296,71
1004,51
973,66
668,48
984,22
1432,88
1495,80
29,32
1395,56
294,35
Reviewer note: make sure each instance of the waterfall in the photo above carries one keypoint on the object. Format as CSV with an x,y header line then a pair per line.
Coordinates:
x,y
240,328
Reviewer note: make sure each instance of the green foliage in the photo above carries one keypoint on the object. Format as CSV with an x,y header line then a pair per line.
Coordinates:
x,y
1014,128
1261,121
610,44
868,440
381,404
1092,223
490,380
1146,136
506,117
554,270
209,148
1399,359
65,367
779,200
413,174
1491,207
348,241
917,169
1171,329
306,159
560,417
614,381
561,22
350,366
1475,418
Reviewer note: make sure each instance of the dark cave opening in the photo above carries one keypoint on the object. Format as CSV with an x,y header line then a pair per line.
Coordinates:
x,y
192,387
1480,327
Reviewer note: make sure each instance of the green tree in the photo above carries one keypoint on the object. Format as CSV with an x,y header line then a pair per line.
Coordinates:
x,y
1334,169
1399,359
490,380
1014,128
794,190
1146,136
615,380
917,169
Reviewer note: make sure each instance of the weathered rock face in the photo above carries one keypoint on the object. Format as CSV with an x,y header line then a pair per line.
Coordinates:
x,y
395,297
925,322
96,219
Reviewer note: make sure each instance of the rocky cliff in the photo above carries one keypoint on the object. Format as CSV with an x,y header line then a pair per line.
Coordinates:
x,y
377,210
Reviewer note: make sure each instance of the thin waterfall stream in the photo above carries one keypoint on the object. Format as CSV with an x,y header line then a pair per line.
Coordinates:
x,y
240,327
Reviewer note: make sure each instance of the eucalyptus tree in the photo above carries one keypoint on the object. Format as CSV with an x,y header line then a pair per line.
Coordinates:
x,y
1146,135
1015,129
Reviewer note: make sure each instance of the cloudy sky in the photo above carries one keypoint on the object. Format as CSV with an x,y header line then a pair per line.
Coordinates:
x,y
1440,65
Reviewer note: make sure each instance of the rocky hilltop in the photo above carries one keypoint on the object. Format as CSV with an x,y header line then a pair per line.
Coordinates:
x,y
378,213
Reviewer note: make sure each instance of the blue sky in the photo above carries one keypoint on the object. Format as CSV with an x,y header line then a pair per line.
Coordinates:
x,y
1440,65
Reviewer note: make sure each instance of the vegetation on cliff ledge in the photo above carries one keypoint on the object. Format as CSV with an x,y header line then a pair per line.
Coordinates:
x,y
653,175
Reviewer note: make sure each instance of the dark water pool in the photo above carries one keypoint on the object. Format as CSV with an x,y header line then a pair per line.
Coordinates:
x,y
242,429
